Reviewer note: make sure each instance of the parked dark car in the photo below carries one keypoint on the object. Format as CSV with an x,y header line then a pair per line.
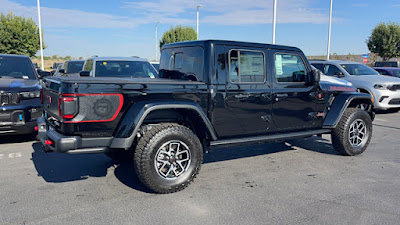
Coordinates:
x,y
19,95
212,94
387,64
388,71
70,68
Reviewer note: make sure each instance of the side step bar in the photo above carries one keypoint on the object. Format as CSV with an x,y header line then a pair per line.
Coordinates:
x,y
266,138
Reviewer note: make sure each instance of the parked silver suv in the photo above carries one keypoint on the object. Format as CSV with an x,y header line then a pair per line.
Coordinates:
x,y
385,90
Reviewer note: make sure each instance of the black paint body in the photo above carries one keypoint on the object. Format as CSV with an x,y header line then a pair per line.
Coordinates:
x,y
227,110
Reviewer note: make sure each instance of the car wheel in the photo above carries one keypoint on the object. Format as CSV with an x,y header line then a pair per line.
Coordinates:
x,y
353,132
168,157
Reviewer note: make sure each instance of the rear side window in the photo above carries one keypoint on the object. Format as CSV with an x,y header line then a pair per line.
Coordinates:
x,y
289,68
185,63
14,67
246,66
319,66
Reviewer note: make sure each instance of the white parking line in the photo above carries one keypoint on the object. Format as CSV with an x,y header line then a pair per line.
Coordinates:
x,y
381,120
11,155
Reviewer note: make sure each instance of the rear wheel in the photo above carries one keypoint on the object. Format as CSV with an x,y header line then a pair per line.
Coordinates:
x,y
353,132
168,157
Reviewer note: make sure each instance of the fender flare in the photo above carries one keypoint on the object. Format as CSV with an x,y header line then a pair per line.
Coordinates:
x,y
129,126
340,104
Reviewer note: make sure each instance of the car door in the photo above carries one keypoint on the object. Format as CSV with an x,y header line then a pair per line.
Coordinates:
x,y
246,108
296,105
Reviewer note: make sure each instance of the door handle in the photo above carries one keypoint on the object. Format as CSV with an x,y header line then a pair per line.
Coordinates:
x,y
242,96
281,95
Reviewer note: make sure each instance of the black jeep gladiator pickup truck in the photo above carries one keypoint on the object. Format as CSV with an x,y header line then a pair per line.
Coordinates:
x,y
209,94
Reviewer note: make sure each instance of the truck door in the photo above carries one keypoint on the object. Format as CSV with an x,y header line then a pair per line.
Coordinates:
x,y
295,105
246,108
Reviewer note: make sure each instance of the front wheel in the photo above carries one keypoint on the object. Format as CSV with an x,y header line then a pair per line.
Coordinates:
x,y
353,132
168,157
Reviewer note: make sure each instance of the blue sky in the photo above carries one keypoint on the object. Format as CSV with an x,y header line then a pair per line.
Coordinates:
x,y
126,28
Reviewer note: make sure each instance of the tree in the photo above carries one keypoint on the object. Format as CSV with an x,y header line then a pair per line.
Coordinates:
x,y
18,35
385,40
178,34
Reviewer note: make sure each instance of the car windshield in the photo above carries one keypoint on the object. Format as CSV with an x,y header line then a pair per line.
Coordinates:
x,y
125,69
74,67
14,67
396,73
359,69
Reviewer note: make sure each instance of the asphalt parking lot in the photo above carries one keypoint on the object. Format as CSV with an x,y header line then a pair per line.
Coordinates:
x,y
298,182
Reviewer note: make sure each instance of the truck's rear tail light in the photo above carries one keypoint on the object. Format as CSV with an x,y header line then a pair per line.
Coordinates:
x,y
67,107
41,96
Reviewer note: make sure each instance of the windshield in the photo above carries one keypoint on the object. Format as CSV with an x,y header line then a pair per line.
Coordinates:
x,y
74,67
359,69
14,67
396,73
125,69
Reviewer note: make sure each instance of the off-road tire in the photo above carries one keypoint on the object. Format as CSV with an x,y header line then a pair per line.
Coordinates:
x,y
340,135
150,143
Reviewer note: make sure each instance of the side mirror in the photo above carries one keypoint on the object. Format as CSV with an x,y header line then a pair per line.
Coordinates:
x,y
43,73
84,73
61,71
314,77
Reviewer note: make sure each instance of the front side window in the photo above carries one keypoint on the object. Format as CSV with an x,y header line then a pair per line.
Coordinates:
x,y
14,67
185,63
289,68
359,69
131,69
246,66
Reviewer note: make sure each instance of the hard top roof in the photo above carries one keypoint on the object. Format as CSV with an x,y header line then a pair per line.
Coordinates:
x,y
226,42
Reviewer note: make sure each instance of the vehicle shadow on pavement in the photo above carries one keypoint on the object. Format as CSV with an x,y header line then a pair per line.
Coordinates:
x,y
59,168
314,143
17,138
125,172
56,167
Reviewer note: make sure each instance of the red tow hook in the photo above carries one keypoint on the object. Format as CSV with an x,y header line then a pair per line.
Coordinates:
x,y
36,128
48,142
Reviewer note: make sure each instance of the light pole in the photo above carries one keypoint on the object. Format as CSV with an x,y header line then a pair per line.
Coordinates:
x,y
197,21
156,40
274,23
329,33
40,35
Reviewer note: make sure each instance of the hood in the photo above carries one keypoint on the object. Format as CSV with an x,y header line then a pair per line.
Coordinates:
x,y
334,80
374,79
17,85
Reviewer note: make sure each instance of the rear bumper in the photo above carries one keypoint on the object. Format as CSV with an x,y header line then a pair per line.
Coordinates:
x,y
69,144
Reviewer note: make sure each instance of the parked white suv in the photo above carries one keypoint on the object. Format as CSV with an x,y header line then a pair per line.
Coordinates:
x,y
385,91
